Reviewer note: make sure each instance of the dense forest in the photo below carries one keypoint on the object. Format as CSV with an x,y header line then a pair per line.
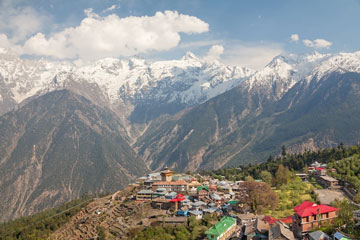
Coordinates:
x,y
41,225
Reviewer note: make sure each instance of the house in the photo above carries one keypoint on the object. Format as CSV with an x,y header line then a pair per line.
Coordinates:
x,y
340,236
197,213
356,215
280,231
177,186
328,181
182,213
166,175
248,232
202,191
160,203
309,216
194,184
170,195
245,219
320,171
222,230
198,204
303,176
261,228
318,235
173,220
144,195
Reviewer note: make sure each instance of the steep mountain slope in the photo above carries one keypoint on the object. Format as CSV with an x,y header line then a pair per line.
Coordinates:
x,y
285,103
57,147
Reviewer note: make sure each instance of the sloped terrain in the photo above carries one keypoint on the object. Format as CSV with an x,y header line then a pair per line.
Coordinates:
x,y
240,126
56,148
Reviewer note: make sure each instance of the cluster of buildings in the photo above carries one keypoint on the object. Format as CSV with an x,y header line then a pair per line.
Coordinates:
x,y
183,196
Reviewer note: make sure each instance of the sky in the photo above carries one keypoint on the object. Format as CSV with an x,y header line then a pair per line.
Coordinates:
x,y
236,32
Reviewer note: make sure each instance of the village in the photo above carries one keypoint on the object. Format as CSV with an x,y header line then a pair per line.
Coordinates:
x,y
228,208
180,196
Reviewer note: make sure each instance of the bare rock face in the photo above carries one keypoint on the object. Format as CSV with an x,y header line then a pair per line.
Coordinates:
x,y
56,148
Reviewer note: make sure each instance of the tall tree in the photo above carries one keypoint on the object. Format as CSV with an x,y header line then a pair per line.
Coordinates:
x,y
266,177
281,176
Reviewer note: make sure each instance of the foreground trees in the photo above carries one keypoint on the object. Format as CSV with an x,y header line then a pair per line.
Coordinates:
x,y
258,196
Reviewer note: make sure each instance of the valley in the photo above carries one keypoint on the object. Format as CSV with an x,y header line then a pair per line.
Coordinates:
x,y
116,119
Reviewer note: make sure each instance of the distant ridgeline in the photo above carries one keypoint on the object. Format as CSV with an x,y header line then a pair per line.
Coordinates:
x,y
345,159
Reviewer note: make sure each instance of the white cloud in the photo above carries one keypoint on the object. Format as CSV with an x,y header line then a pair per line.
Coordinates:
x,y
20,23
317,43
294,37
254,57
89,12
214,53
112,36
111,8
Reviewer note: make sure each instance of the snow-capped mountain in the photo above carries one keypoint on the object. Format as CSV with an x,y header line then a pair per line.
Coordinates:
x,y
188,81
176,84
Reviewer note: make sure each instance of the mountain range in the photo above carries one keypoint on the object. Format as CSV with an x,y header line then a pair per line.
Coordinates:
x,y
68,129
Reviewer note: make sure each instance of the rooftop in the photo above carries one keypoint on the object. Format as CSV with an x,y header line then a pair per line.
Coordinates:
x,y
309,209
178,182
329,179
224,224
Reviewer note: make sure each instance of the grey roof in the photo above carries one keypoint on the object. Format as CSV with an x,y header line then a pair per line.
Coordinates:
x,y
195,212
172,194
210,210
198,203
318,235
145,191
262,226
280,231
328,178
215,196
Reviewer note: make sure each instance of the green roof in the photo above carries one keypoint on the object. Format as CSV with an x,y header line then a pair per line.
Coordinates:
x,y
202,187
221,226
233,202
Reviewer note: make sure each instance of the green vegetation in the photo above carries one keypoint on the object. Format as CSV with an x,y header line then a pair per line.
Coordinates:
x,y
41,225
290,190
193,230
347,169
295,163
290,195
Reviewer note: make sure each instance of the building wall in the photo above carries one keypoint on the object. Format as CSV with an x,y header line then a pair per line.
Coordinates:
x,y
309,223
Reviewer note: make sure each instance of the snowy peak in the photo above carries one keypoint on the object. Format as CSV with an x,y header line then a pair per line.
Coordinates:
x,y
342,62
188,81
284,71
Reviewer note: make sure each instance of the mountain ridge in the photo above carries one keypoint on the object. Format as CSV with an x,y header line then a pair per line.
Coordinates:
x,y
58,147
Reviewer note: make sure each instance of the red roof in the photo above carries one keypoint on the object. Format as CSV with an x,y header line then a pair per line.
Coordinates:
x,y
308,209
319,168
287,220
269,219
303,205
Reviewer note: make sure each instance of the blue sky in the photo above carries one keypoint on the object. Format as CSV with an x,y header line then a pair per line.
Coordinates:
x,y
246,33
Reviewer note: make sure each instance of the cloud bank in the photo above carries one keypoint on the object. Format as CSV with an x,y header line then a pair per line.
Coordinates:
x,y
111,36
